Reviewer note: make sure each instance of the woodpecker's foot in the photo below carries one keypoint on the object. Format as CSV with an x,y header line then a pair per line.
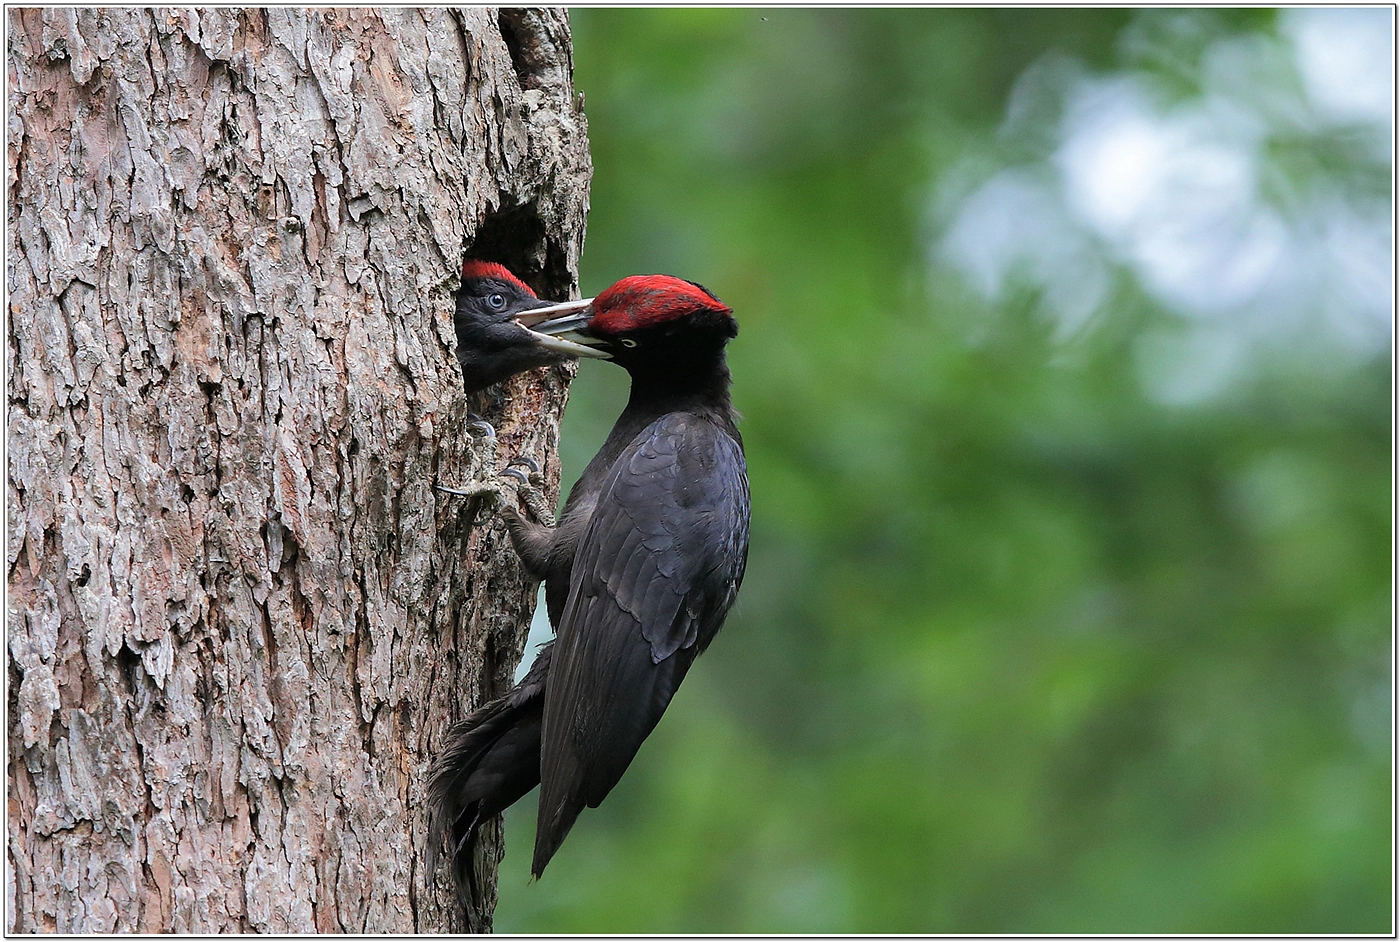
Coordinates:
x,y
529,488
484,458
487,496
471,490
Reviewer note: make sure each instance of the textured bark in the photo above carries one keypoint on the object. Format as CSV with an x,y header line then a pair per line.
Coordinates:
x,y
239,616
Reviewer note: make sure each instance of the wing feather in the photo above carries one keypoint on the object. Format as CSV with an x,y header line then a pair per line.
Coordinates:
x,y
654,576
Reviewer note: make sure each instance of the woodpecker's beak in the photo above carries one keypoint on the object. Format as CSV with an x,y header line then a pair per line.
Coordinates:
x,y
566,329
536,314
544,317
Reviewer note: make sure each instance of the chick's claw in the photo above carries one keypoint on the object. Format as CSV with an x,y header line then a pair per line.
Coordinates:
x,y
480,425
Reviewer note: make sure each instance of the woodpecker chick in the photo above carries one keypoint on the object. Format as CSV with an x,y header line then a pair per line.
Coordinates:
x,y
495,311
494,341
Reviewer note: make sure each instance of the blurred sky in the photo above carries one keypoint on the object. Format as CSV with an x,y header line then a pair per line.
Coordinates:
x,y
1064,362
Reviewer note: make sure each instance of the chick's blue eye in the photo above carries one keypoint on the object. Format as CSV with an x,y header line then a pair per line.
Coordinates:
x,y
496,302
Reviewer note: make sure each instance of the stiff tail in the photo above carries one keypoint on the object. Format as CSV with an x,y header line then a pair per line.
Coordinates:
x,y
490,760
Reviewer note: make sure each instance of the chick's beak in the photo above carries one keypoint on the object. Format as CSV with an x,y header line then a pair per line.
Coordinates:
x,y
560,329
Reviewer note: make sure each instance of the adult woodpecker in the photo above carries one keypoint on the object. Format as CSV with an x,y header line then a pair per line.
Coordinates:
x,y
495,311
640,572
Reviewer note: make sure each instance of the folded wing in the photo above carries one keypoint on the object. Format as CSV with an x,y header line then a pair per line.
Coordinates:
x,y
654,576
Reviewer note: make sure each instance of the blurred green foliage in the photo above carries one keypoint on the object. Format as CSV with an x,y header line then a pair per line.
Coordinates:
x,y
1019,649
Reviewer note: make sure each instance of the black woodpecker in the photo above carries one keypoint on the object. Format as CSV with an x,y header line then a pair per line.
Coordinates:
x,y
640,572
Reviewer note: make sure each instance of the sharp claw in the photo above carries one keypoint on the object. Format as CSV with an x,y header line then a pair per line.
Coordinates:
x,y
453,490
513,473
480,424
527,461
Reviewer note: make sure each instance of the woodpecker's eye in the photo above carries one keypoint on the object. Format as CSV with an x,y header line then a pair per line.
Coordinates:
x,y
496,302
627,342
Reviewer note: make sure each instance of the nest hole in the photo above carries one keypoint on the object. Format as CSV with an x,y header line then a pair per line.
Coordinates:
x,y
516,238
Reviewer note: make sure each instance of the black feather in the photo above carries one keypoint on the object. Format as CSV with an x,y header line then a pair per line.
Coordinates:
x,y
653,578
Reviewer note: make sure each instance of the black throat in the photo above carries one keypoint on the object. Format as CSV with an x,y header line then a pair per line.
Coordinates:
x,y
660,386
680,385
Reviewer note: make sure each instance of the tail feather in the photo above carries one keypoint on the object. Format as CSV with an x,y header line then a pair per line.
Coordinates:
x,y
553,825
490,760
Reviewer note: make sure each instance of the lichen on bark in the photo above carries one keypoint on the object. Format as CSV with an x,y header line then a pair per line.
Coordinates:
x,y
239,617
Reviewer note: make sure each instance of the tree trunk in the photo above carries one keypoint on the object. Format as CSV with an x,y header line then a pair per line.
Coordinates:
x,y
240,618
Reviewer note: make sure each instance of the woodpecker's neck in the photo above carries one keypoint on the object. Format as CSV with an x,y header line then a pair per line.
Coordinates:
x,y
673,385
657,391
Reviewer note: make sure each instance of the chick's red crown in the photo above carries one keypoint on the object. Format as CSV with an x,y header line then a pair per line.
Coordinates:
x,y
478,269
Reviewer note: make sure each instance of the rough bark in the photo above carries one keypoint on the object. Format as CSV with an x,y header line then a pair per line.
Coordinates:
x,y
239,616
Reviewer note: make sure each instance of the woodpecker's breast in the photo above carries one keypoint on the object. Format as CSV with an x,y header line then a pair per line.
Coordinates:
x,y
563,549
